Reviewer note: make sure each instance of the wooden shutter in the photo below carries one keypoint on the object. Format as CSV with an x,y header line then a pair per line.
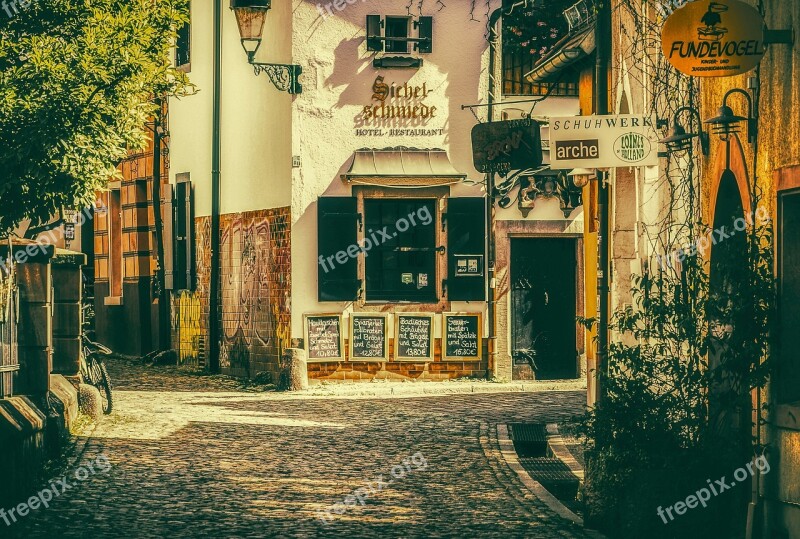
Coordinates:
x,y
337,229
374,41
184,266
466,235
425,46
168,212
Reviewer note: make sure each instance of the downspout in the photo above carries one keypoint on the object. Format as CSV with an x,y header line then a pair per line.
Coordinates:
x,y
602,44
163,293
216,150
490,251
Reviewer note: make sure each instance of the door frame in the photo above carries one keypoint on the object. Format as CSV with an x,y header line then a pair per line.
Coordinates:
x,y
503,366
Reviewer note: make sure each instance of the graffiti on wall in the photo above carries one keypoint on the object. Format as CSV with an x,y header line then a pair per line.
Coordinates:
x,y
255,290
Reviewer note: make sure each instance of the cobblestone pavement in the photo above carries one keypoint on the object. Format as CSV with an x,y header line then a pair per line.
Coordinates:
x,y
190,457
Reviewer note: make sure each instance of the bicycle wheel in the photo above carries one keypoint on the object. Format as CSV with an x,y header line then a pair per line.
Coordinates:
x,y
104,385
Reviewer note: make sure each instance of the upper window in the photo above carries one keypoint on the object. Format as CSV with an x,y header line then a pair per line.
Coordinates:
x,y
529,35
401,266
183,44
399,34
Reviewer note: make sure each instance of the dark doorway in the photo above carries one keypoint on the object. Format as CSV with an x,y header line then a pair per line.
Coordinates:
x,y
543,308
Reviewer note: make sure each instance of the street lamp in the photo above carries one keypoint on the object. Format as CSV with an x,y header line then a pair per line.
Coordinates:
x,y
250,18
726,123
582,176
680,140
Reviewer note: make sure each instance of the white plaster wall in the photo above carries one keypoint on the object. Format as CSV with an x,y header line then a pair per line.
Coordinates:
x,y
338,83
255,117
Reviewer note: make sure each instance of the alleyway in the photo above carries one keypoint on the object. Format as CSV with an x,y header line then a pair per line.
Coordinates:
x,y
193,457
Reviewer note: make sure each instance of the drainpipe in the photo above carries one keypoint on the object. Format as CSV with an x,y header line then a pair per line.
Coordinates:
x,y
216,150
163,293
603,41
490,258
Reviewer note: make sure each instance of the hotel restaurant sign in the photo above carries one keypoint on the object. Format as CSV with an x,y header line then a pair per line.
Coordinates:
x,y
626,140
708,38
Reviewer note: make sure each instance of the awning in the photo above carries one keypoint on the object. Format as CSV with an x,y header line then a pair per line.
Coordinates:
x,y
402,166
571,49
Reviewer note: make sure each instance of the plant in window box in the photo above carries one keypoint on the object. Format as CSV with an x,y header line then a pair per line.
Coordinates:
x,y
535,31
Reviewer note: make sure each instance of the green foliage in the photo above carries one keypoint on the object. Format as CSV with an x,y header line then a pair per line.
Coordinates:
x,y
77,82
676,406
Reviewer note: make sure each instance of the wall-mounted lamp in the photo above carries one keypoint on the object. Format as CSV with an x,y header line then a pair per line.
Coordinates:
x,y
726,123
250,17
582,176
680,140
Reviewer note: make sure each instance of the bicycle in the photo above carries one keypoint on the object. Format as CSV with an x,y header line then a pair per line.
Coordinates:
x,y
93,371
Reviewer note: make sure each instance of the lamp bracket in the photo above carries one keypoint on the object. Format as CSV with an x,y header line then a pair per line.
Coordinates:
x,y
779,37
284,77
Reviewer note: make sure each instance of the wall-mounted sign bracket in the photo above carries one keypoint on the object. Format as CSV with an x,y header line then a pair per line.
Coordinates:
x,y
779,37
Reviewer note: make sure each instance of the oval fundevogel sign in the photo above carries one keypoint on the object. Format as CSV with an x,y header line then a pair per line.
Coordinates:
x,y
719,38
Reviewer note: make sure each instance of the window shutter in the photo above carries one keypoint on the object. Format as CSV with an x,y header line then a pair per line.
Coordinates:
x,y
168,210
184,266
425,46
337,229
374,41
466,235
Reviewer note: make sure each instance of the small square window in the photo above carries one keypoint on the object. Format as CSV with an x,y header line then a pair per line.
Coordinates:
x,y
397,34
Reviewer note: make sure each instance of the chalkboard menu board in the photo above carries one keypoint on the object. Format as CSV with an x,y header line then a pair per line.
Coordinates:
x,y
368,339
461,336
414,337
324,337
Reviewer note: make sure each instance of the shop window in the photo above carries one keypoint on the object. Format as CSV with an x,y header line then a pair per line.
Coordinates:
x,y
395,33
401,264
789,304
183,45
115,261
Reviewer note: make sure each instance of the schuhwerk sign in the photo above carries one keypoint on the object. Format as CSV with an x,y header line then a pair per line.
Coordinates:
x,y
603,141
714,39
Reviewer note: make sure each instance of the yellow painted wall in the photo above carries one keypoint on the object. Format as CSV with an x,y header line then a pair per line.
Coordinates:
x,y
778,147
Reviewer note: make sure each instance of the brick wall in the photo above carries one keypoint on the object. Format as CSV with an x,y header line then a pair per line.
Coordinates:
x,y
255,290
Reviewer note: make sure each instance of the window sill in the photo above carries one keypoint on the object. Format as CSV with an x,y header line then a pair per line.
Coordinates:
x,y
787,416
112,300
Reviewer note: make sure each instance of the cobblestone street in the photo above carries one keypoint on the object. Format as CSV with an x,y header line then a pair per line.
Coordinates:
x,y
193,456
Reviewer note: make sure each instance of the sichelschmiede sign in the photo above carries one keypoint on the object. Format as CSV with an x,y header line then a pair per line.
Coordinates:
x,y
627,140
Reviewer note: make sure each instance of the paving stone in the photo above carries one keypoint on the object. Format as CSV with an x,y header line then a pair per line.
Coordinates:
x,y
193,456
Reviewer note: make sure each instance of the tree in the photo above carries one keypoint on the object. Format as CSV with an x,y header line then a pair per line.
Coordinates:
x,y
78,80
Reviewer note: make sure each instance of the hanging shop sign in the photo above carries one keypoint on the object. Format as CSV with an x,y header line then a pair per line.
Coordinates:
x,y
714,39
507,145
603,141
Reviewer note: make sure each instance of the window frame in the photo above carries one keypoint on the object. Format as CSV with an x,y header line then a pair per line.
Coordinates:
x,y
427,242
439,195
